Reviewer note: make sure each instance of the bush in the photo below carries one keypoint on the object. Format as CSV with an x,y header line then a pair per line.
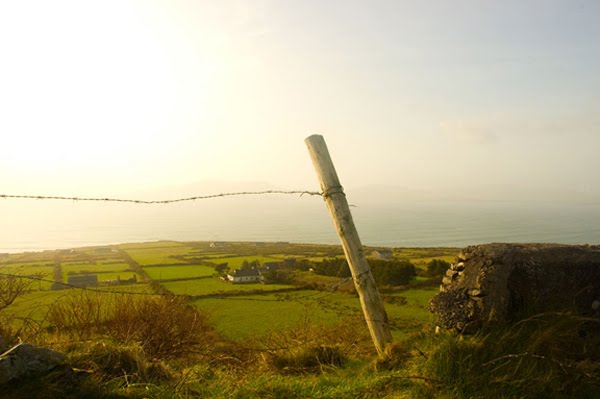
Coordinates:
x,y
80,314
437,268
163,326
398,272
333,267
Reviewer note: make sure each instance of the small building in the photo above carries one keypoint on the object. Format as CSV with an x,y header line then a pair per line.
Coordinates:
x,y
85,280
217,244
383,254
244,275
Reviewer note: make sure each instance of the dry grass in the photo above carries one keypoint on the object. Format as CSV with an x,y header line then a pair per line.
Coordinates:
x,y
163,326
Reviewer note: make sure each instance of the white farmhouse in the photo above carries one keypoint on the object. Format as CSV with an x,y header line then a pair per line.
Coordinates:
x,y
244,275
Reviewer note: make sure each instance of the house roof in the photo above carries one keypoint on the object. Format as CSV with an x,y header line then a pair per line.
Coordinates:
x,y
245,272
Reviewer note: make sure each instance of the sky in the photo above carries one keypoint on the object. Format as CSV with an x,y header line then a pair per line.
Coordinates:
x,y
438,99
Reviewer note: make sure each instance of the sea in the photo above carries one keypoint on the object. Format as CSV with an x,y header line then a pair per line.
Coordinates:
x,y
34,225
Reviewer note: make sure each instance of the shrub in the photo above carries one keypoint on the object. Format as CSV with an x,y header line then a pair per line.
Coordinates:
x,y
437,268
163,326
12,287
398,272
333,267
80,314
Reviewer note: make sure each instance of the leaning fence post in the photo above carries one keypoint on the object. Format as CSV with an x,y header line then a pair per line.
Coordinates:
x,y
364,282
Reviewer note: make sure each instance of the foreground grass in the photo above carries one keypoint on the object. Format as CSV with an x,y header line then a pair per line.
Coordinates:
x,y
542,357
554,355
301,344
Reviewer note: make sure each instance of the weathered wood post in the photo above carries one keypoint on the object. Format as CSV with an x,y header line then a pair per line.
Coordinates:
x,y
364,282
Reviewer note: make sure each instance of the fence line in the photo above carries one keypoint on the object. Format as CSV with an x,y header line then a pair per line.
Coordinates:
x,y
136,201
326,292
67,285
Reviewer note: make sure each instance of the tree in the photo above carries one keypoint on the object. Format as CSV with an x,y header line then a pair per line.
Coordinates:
x,y
437,268
222,267
333,267
12,287
247,265
398,272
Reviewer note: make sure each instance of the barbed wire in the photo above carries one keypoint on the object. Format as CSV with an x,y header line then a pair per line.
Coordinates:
x,y
137,201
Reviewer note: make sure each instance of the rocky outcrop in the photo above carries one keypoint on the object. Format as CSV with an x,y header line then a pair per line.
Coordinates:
x,y
499,283
24,360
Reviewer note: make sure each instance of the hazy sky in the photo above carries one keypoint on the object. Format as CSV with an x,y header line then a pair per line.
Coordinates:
x,y
114,97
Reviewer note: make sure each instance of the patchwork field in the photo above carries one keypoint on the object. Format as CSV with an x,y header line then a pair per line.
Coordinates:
x,y
158,255
236,310
235,262
178,272
215,286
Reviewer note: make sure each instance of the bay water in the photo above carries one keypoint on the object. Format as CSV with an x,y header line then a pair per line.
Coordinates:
x,y
32,225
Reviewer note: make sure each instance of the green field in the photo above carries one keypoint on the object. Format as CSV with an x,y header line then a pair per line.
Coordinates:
x,y
236,261
158,255
34,305
152,244
235,314
241,317
38,270
94,268
216,286
175,272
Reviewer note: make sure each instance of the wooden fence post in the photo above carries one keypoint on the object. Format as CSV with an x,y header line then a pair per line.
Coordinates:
x,y
364,282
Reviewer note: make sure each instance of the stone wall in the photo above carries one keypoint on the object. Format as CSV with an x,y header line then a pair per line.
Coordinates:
x,y
500,283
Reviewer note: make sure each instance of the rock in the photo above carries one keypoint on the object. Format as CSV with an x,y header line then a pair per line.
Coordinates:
x,y
25,360
501,283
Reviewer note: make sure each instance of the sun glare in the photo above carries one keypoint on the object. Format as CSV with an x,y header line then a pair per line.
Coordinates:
x,y
84,81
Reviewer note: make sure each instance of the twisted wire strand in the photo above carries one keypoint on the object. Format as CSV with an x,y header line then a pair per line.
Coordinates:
x,y
136,201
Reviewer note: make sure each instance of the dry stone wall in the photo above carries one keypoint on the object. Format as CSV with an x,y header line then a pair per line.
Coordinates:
x,y
500,283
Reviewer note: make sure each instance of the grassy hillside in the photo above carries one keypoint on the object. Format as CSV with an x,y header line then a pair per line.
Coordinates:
x,y
191,334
